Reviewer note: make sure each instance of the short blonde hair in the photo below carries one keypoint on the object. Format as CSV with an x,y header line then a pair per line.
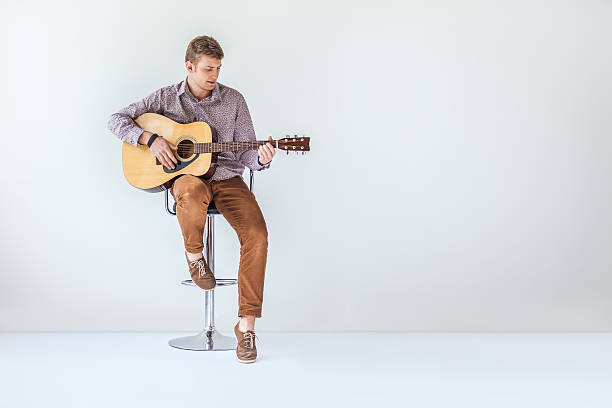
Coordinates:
x,y
203,45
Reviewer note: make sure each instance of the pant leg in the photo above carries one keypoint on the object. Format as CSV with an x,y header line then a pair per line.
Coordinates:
x,y
237,204
192,196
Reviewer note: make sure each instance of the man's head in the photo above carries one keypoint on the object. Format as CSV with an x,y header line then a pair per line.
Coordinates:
x,y
203,62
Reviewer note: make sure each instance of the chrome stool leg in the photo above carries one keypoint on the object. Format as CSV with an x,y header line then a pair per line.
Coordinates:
x,y
209,338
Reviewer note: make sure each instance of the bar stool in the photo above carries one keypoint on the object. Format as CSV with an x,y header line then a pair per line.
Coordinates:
x,y
209,339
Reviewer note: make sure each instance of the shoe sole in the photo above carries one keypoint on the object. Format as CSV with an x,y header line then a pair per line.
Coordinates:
x,y
213,288
246,361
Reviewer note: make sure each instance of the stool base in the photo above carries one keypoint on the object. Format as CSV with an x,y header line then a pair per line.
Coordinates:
x,y
206,340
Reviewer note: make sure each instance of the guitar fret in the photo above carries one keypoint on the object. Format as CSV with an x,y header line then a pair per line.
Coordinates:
x,y
217,147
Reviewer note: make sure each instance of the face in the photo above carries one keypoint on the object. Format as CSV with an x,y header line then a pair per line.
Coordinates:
x,y
205,73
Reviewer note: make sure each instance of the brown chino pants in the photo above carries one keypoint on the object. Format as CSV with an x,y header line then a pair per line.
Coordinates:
x,y
237,204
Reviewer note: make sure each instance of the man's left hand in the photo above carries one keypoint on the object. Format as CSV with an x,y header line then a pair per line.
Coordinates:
x,y
266,152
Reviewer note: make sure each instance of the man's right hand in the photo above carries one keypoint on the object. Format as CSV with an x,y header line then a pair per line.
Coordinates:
x,y
162,149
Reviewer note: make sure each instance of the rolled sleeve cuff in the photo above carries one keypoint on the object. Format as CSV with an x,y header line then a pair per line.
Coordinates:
x,y
134,135
250,158
263,166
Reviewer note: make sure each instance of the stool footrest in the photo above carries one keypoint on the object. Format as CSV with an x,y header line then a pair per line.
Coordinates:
x,y
220,282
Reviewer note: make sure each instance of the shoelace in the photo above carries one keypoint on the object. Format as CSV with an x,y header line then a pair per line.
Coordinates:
x,y
200,264
249,339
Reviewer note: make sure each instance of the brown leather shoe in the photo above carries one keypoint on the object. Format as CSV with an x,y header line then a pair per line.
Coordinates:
x,y
201,274
246,350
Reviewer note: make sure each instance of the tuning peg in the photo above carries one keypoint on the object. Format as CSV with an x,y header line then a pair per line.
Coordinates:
x,y
287,152
302,153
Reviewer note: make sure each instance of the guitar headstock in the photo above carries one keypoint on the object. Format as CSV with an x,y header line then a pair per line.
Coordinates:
x,y
294,144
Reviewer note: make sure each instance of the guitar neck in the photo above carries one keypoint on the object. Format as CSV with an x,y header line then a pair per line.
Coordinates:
x,y
216,147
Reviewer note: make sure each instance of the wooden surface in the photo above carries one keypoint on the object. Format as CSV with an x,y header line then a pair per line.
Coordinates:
x,y
139,163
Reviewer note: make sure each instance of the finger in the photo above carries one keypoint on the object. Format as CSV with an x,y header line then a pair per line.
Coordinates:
x,y
163,161
262,155
168,153
166,160
171,155
171,159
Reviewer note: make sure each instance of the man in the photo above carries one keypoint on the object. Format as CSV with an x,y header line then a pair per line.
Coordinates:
x,y
201,98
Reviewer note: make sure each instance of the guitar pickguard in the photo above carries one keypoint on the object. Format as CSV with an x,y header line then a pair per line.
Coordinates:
x,y
180,165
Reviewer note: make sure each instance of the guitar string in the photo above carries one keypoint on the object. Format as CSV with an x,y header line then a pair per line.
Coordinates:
x,y
212,147
205,149
259,143
188,150
249,143
233,144
221,145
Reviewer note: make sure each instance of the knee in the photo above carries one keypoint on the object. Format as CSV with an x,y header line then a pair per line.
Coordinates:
x,y
256,234
188,187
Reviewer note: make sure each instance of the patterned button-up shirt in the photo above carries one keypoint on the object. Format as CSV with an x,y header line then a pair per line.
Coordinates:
x,y
225,110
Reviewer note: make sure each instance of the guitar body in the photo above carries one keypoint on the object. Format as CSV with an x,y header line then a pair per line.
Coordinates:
x,y
142,169
197,148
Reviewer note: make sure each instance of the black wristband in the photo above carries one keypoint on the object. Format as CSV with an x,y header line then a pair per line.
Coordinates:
x,y
260,163
152,139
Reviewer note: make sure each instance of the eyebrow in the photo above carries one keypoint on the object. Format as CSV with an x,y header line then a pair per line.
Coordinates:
x,y
208,66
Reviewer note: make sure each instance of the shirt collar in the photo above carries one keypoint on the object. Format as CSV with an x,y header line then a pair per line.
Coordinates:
x,y
184,89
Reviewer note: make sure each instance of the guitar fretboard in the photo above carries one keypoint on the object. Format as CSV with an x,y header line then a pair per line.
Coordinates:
x,y
216,147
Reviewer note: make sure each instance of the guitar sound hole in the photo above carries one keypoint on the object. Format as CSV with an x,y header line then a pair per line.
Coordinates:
x,y
185,149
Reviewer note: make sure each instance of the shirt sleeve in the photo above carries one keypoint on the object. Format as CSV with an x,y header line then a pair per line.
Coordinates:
x,y
244,131
122,124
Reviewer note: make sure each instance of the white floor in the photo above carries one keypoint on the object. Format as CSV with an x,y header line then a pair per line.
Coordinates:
x,y
311,369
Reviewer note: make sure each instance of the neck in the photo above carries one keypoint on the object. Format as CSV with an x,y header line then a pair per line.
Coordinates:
x,y
231,146
196,91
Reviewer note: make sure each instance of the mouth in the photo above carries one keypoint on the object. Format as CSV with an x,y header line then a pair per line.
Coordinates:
x,y
210,82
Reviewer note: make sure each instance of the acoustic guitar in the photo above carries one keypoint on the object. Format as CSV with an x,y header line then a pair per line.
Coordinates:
x,y
197,148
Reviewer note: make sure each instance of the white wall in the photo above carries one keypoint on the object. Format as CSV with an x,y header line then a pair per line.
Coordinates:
x,y
459,178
